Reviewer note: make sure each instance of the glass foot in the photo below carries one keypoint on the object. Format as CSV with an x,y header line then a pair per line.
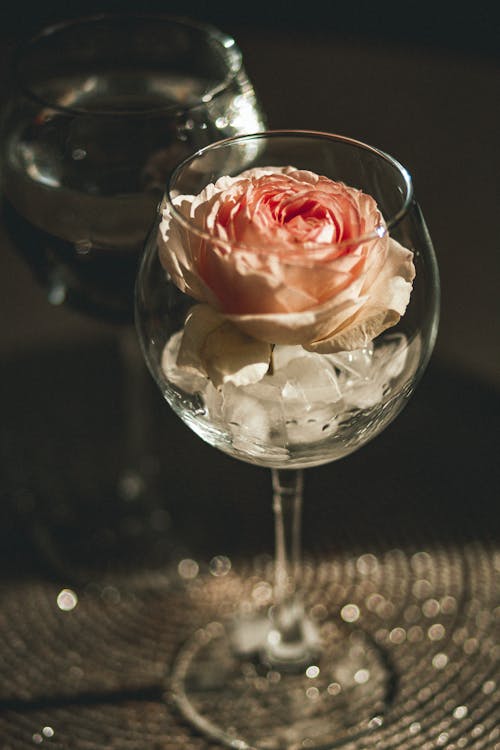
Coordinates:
x,y
243,703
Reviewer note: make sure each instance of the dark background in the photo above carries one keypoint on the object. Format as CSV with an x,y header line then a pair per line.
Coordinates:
x,y
445,24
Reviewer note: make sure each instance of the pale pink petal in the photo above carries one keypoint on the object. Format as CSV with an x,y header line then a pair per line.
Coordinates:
x,y
292,286
387,301
211,345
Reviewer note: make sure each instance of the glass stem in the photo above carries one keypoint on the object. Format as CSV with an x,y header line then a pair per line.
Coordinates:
x,y
287,508
291,640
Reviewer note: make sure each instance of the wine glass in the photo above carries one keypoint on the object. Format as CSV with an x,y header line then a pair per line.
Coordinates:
x,y
287,305
100,110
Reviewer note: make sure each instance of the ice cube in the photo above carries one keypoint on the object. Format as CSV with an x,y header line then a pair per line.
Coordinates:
x,y
309,426
311,380
310,396
268,389
354,365
282,355
368,373
213,402
247,418
390,357
186,378
301,396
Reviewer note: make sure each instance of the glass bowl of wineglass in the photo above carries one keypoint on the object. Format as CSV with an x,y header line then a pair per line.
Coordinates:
x,y
287,305
100,109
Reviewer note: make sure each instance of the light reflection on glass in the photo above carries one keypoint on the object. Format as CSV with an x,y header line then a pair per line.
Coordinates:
x,y
262,593
420,560
312,672
460,712
362,676
489,687
373,601
440,661
350,613
67,600
477,731
78,154
470,646
436,632
367,564
334,688
220,565
397,635
188,569
431,608
422,588
442,739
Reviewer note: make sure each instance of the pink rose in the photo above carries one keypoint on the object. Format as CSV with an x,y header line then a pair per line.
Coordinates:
x,y
289,257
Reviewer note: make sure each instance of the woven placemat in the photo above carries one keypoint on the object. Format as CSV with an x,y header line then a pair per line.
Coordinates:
x,y
88,668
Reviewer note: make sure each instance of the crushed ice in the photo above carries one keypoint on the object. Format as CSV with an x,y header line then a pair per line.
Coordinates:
x,y
306,396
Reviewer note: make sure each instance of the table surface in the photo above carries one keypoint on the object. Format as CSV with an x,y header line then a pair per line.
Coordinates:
x,y
421,499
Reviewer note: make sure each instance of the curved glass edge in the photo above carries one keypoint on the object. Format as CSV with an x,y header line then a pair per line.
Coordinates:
x,y
227,45
274,134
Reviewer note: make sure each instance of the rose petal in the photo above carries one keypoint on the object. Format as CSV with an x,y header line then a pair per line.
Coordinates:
x,y
230,356
285,289
389,297
296,328
213,346
347,321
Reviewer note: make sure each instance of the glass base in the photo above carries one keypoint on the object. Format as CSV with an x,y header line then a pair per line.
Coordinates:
x,y
223,686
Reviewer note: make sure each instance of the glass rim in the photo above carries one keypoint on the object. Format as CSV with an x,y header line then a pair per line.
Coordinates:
x,y
313,248
228,47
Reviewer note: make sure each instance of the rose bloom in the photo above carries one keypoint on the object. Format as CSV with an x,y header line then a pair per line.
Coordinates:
x,y
290,257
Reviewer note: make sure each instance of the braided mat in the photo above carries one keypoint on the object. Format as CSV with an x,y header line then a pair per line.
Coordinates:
x,y
88,668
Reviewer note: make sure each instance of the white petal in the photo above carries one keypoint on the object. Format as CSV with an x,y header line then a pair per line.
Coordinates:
x,y
387,301
215,347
